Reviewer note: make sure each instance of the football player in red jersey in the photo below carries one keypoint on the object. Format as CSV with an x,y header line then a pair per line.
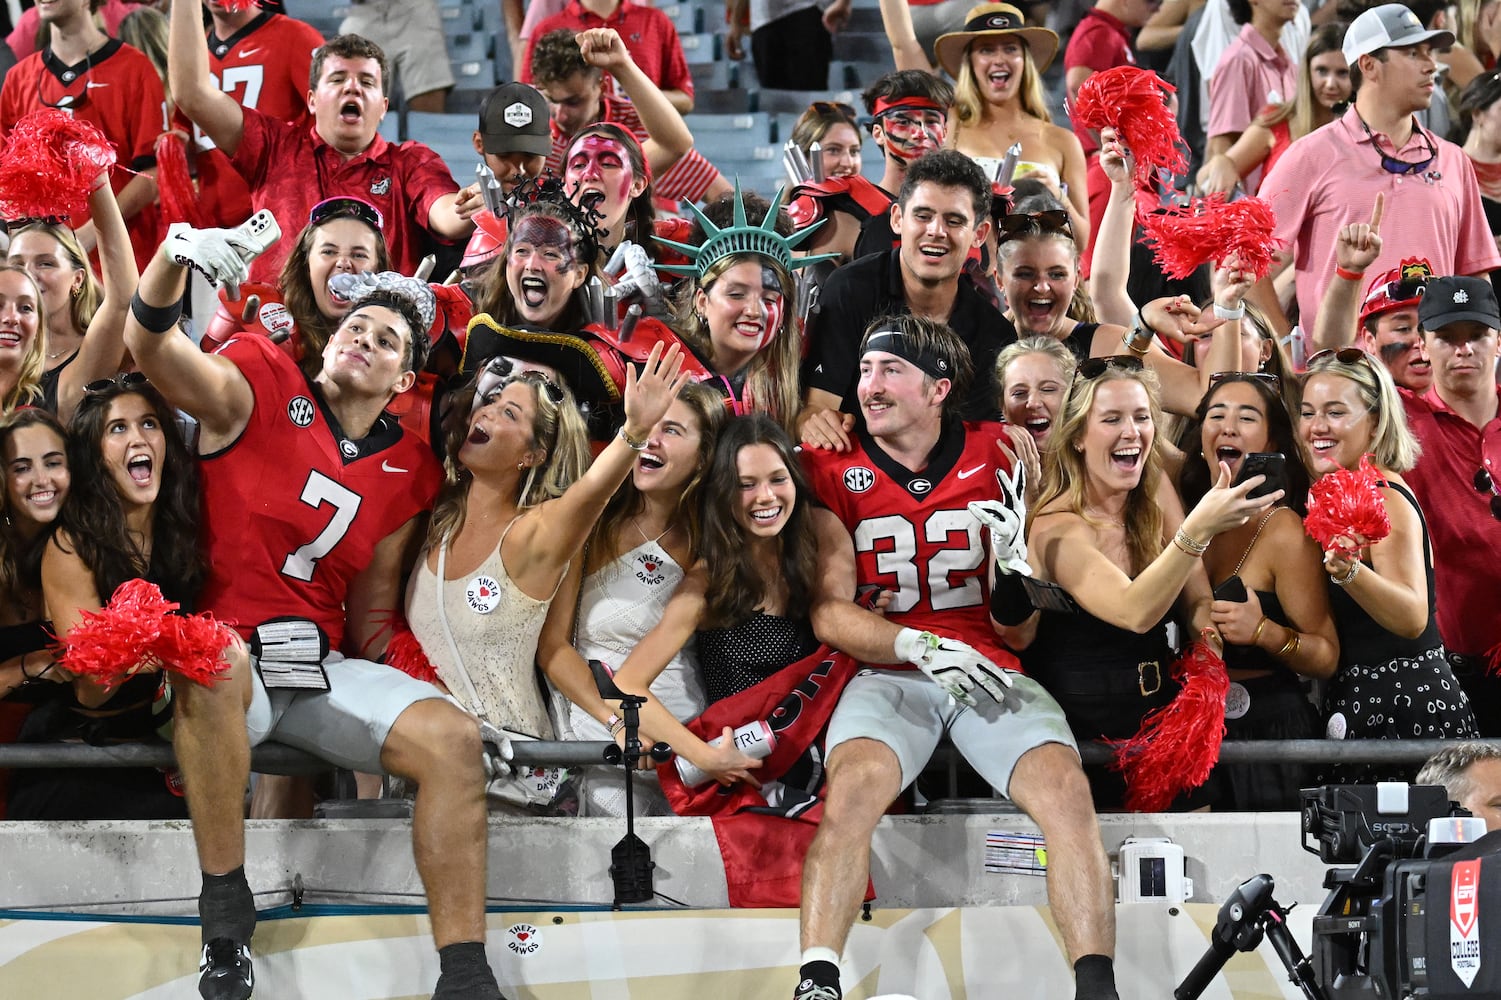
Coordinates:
x,y
903,491
313,498
261,59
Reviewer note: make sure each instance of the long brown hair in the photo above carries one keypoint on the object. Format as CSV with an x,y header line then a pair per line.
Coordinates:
x,y
1065,479
313,328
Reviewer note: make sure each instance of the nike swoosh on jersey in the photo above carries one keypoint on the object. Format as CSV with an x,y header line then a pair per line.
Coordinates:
x,y
966,473
388,467
90,85
247,53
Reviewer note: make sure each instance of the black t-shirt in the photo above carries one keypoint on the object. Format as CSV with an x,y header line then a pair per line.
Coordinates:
x,y
870,287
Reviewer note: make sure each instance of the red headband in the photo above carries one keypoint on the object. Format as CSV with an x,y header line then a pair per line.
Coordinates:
x,y
884,105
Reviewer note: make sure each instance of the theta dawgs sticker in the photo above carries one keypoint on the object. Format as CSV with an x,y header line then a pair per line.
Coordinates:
x,y
1464,921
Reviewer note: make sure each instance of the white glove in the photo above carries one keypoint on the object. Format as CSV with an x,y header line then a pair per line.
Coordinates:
x,y
1008,534
640,275
211,253
496,753
953,665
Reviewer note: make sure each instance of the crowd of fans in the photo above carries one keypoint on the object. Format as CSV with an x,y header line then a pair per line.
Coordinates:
x,y
947,450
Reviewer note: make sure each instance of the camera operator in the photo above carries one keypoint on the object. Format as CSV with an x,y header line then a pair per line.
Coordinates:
x,y
1471,773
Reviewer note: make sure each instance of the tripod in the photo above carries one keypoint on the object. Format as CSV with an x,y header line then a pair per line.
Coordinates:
x,y
630,859
1249,914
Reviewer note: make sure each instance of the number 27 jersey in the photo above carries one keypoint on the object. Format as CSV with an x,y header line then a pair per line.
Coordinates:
x,y
913,532
292,511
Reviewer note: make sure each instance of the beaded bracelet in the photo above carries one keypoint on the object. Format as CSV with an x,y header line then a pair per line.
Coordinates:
x,y
631,442
1348,578
1189,545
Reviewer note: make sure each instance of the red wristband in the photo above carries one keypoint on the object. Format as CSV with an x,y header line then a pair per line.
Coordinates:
x,y
1348,275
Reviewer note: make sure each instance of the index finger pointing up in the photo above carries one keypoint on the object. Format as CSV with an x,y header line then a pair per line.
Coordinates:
x,y
1376,211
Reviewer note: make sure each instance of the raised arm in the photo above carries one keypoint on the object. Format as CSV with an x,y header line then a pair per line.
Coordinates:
x,y
104,341
1111,266
905,47
667,135
208,387
1355,248
211,109
1221,172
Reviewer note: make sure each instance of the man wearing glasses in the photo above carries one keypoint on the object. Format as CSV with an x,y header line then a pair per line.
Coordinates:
x,y
1330,177
1458,480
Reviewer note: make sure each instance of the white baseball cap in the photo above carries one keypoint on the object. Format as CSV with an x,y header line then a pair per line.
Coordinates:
x,y
1391,25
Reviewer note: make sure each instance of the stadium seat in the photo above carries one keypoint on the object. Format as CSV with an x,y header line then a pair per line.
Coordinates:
x,y
450,137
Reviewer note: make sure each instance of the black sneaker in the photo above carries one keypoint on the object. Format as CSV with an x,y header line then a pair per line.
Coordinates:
x,y
809,989
225,972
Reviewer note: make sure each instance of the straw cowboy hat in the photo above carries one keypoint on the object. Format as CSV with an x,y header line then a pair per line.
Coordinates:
x,y
994,19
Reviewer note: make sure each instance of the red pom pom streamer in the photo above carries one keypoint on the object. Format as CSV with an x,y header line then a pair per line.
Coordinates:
x,y
137,630
1134,103
50,165
1212,229
1179,743
174,183
406,654
1347,502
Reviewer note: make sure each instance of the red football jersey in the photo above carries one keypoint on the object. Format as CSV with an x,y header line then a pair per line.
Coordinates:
x,y
264,66
116,88
913,532
292,510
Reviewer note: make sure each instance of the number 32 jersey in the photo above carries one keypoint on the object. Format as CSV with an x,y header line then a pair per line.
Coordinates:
x,y
292,509
913,532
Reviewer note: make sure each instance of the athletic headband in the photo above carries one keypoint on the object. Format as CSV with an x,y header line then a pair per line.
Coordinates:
x,y
895,342
886,104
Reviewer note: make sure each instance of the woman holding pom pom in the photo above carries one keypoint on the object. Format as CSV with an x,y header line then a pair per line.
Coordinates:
x,y
1110,533
132,513
1393,681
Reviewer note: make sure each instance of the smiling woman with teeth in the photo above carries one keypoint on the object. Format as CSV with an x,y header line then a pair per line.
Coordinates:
x,y
1393,680
1110,532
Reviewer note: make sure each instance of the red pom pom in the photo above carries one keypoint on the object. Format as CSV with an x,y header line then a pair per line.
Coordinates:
x,y
1134,103
137,630
1179,743
51,163
173,182
1347,502
406,654
1211,229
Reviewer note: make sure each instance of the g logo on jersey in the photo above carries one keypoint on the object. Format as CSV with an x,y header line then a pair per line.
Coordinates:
x,y
858,479
300,411
917,487
349,449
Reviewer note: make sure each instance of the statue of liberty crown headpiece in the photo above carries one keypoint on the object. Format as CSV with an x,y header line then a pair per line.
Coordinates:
x,y
741,237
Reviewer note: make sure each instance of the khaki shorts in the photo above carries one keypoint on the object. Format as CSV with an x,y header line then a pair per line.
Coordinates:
x,y
411,33
909,713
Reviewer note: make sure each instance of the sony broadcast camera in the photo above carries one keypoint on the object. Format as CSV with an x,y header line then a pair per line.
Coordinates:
x,y
1417,916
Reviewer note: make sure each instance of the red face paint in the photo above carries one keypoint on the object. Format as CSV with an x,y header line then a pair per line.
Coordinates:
x,y
910,133
772,302
600,164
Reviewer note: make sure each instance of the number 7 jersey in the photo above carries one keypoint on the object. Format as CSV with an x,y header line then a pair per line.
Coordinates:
x,y
292,510
913,532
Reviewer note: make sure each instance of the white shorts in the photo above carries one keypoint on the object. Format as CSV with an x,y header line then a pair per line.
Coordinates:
x,y
909,713
411,33
346,725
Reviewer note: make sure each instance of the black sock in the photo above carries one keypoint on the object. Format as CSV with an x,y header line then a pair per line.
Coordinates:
x,y
821,974
226,909
466,973
1094,978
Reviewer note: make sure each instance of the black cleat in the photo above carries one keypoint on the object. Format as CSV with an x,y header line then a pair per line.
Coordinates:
x,y
811,990
225,971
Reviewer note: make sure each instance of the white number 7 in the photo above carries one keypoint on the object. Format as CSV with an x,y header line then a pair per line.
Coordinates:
x,y
318,491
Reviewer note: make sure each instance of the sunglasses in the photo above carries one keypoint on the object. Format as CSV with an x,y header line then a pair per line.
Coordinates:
x,y
1485,484
828,109
345,207
1029,223
1265,378
1344,355
1092,368
1398,291
125,380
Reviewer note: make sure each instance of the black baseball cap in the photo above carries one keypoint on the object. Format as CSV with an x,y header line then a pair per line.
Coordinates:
x,y
513,119
1453,299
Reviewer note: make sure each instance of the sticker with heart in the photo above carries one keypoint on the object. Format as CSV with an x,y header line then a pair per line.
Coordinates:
x,y
523,939
483,594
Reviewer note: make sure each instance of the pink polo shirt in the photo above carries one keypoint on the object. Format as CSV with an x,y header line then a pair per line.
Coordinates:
x,y
1330,178
1466,538
1251,74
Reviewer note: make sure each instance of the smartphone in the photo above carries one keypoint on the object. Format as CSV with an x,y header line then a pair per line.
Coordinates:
x,y
1233,589
1272,464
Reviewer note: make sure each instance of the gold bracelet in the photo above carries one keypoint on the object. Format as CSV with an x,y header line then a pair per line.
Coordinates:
x,y
1256,635
1290,647
1193,549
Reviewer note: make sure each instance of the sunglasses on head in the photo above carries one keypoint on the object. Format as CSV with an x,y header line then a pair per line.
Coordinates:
x,y
1485,484
124,380
345,207
1029,223
1344,355
540,381
1399,291
1092,368
828,108
1265,378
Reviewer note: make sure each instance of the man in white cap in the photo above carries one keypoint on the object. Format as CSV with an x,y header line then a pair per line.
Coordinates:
x,y
1332,176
